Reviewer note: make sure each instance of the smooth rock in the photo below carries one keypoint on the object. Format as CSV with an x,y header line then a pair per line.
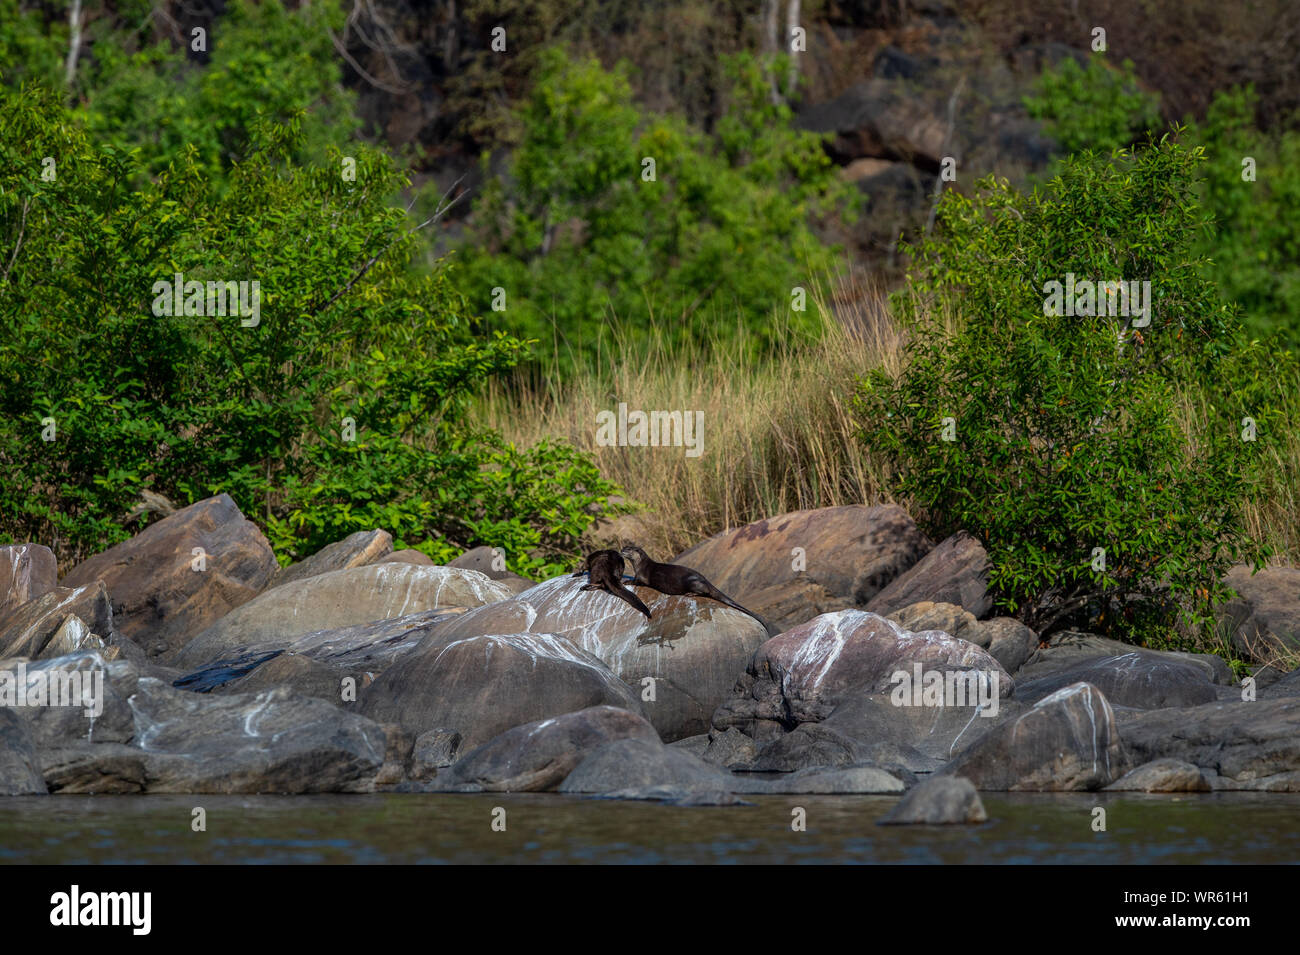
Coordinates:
x,y
938,801
849,554
20,768
355,550
160,599
335,600
536,757
27,571
482,686
434,750
1162,776
1265,616
26,631
1067,742
1137,678
955,572
638,763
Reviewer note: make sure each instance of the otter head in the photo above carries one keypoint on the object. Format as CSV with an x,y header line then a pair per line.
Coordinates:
x,y
634,554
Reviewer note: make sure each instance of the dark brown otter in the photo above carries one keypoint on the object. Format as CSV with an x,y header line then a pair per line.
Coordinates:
x,y
676,579
605,570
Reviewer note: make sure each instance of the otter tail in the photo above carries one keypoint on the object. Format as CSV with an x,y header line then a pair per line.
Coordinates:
x,y
625,594
719,596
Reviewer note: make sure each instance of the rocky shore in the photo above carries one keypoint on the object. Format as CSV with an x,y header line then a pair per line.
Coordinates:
x,y
184,660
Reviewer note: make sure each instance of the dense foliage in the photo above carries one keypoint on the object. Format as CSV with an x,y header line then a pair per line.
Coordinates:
x,y
338,405
1103,463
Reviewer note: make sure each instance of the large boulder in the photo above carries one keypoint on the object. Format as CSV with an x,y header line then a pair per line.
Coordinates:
x,y
881,118
1242,745
482,686
1162,776
804,674
631,764
1137,678
150,737
955,572
689,651
1067,742
355,550
938,801
537,756
793,567
336,599
1070,648
489,561
27,571
1264,617
20,768
27,631
182,574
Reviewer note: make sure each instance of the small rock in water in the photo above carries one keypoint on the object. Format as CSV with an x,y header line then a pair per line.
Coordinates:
x,y
1163,776
940,800
434,750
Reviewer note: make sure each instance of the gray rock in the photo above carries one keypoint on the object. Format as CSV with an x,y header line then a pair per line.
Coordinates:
x,y
949,618
637,764
434,750
731,748
1250,746
689,652
1067,742
334,600
27,571
695,745
1162,776
160,598
1265,616
407,556
486,685
1288,685
1067,648
1010,642
536,757
802,675
355,550
1137,678
677,796
941,800
955,572
20,768
27,630
843,780
485,561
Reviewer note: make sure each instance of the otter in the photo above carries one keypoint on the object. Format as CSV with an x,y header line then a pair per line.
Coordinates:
x,y
679,580
605,570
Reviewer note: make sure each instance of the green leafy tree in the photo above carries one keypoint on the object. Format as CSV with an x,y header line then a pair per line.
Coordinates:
x,y
339,404
1074,433
1094,106
579,234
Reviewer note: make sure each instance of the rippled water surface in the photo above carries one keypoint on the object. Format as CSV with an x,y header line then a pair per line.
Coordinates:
x,y
1212,828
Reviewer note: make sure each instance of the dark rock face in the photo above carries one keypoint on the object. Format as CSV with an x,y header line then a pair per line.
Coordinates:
x,y
20,768
1162,776
939,801
1067,742
1139,679
638,763
1265,616
433,751
848,554
536,757
802,675
955,572
150,737
1010,642
1288,685
27,571
334,600
1253,746
355,550
482,686
181,574
1069,648
26,631
684,660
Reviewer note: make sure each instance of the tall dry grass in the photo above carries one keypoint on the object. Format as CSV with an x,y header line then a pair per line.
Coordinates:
x,y
777,435
780,435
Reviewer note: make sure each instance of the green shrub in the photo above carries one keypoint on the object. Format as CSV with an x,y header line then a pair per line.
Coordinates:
x,y
1074,433
1094,107
190,405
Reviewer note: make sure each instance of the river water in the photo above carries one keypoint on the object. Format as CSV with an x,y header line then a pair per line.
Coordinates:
x,y
1054,828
